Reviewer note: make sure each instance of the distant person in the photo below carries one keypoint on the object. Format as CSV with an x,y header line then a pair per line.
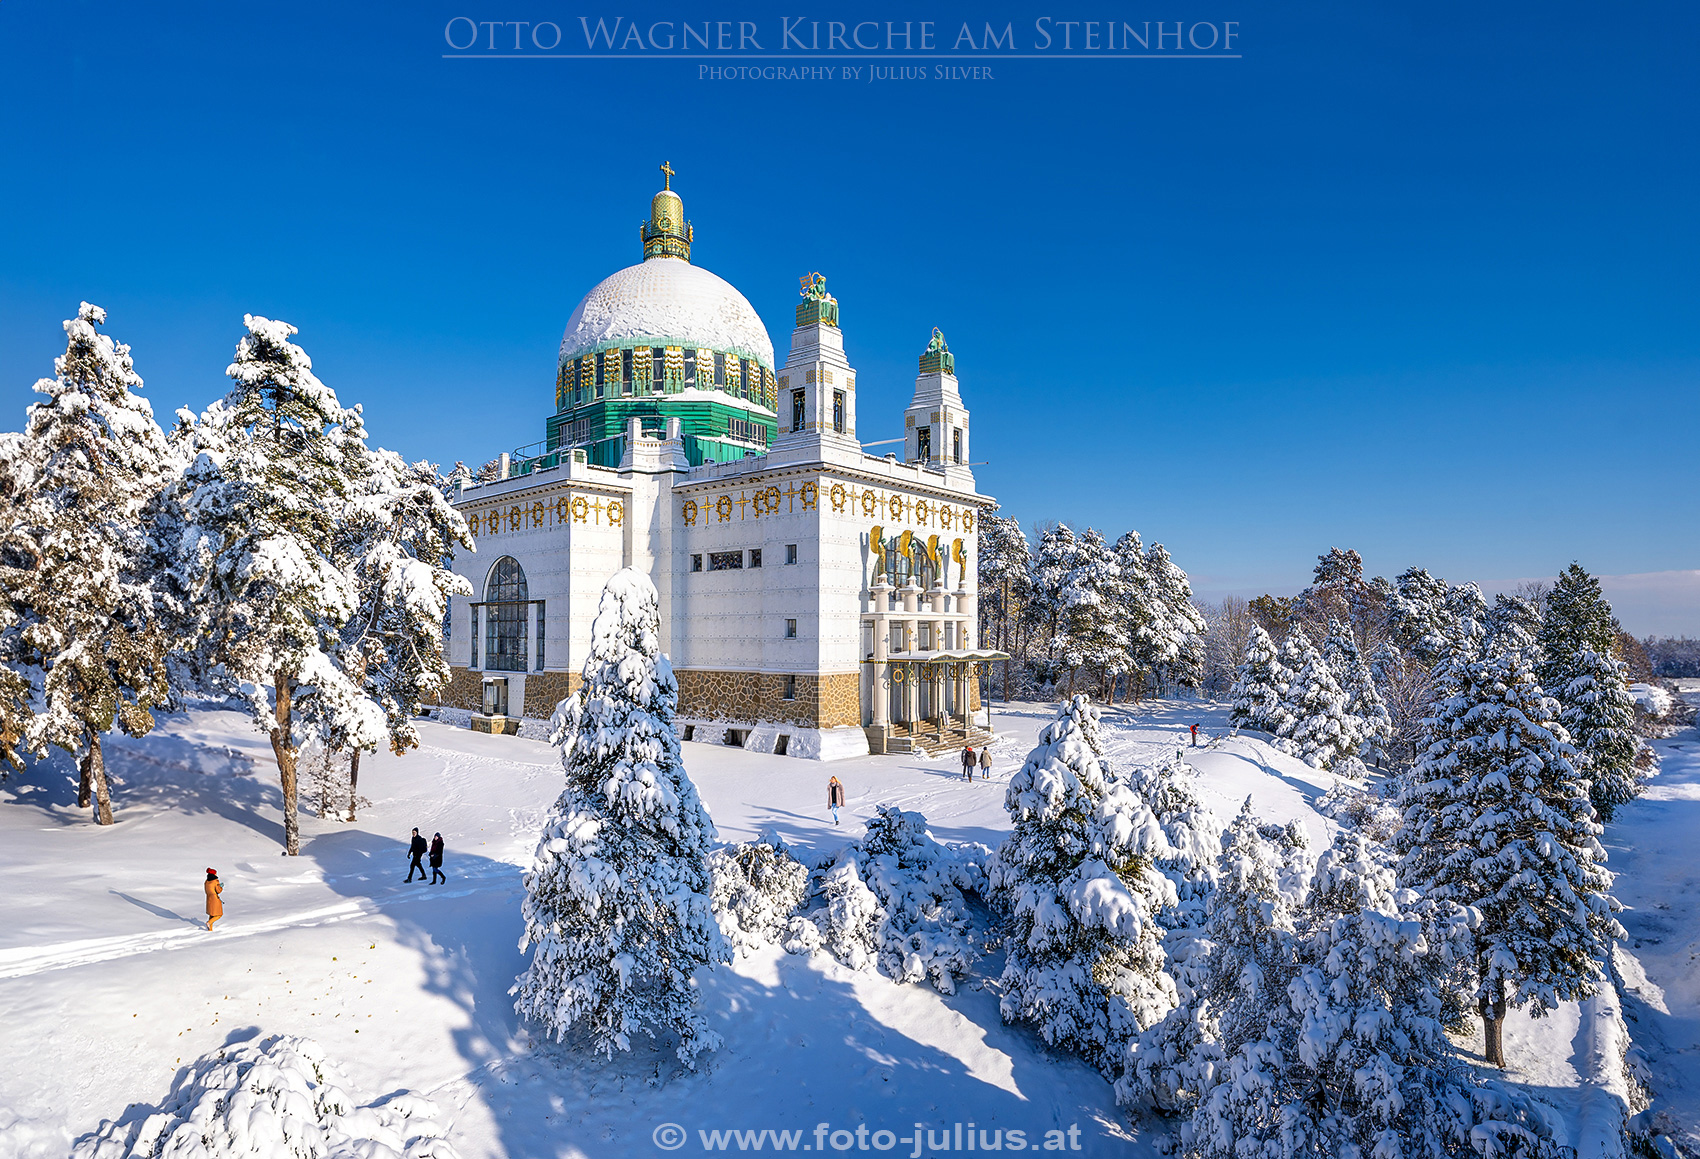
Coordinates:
x,y
437,858
215,905
416,850
834,797
985,762
968,759
1195,736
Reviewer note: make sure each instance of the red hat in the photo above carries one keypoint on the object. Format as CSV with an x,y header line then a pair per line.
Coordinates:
x,y
211,872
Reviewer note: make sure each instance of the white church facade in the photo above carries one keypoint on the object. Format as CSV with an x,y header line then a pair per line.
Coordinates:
x,y
816,600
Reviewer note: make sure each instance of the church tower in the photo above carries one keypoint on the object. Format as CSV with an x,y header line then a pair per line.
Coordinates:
x,y
935,427
817,386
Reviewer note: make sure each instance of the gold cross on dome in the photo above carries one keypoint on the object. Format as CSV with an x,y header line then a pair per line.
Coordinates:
x,y
667,181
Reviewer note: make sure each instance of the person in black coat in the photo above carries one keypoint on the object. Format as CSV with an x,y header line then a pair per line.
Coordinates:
x,y
416,850
437,858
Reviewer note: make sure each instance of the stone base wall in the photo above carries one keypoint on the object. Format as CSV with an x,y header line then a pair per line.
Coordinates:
x,y
825,700
465,689
544,690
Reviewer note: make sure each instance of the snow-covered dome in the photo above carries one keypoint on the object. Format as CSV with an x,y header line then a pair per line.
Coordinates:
x,y
666,301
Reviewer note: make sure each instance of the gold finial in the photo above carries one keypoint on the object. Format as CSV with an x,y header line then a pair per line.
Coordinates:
x,y
667,179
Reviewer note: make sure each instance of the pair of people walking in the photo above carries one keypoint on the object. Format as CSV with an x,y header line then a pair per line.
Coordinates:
x,y
417,848
983,759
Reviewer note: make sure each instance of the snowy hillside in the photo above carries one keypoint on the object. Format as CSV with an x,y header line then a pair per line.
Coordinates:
x,y
110,990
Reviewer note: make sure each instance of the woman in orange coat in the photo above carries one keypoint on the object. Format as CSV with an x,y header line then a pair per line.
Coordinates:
x,y
215,907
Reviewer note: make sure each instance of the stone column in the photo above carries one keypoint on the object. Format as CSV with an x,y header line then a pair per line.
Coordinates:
x,y
882,652
483,656
531,635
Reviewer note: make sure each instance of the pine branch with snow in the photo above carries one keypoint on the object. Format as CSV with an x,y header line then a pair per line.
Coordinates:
x,y
757,887
1079,878
618,911
1599,714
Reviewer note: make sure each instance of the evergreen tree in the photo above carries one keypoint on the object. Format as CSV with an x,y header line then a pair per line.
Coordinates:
x,y
1322,730
1497,817
1134,592
1171,640
1364,704
1004,565
1094,626
618,904
1577,617
86,621
266,502
1258,694
18,467
1512,622
1599,714
1078,875
1052,578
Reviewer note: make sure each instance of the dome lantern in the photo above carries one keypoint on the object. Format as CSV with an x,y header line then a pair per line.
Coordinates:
x,y
666,234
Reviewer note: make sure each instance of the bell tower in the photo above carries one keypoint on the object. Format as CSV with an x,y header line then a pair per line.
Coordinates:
x,y
935,427
817,387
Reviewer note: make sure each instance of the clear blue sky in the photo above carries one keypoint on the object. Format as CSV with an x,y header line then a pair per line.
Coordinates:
x,y
1415,279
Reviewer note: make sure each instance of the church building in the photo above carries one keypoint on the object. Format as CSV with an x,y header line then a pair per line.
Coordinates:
x,y
817,600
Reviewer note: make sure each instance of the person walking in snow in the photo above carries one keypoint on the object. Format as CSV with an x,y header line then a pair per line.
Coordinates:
x,y
968,760
437,858
1195,736
985,762
834,797
215,905
416,850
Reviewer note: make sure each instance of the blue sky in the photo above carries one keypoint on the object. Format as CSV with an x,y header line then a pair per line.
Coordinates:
x,y
1417,280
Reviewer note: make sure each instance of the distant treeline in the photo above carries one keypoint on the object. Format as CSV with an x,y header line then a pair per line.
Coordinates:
x,y
1673,655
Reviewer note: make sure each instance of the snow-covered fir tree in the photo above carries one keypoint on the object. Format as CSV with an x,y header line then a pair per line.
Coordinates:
x,y
1094,631
617,906
1240,970
1321,730
1577,617
1052,591
1257,695
1512,622
1169,788
1078,876
1171,641
1004,575
76,572
1364,703
1496,816
266,499
1599,714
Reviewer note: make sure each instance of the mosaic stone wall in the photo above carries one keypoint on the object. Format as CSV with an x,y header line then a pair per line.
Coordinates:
x,y
544,690
465,689
829,700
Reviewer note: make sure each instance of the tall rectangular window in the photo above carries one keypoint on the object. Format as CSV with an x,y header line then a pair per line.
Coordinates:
x,y
790,629
474,661
755,557
790,688
541,620
790,553
719,370
625,372
796,410
696,563
690,367
838,411
956,444
658,367
924,444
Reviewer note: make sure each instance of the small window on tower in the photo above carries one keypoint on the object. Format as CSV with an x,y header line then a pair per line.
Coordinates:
x,y
796,410
696,563
956,444
690,368
790,553
924,444
790,629
838,411
719,370
755,557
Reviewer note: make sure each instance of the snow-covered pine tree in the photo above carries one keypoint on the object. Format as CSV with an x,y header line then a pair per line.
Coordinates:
x,y
19,462
1052,576
267,497
1418,616
1577,617
397,538
617,906
1512,622
1322,730
1599,714
1078,876
1363,701
1133,608
1172,642
87,607
1234,981
1169,789
1497,817
1257,694
1004,574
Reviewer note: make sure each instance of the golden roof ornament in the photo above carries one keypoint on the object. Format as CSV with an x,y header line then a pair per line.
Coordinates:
x,y
667,234
817,305
937,358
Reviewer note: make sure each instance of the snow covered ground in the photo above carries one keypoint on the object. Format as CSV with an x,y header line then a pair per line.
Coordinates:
x,y
109,987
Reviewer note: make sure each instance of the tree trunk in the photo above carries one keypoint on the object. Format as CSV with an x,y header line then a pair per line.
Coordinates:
x,y
95,763
1493,1029
286,754
353,781
85,780
1110,686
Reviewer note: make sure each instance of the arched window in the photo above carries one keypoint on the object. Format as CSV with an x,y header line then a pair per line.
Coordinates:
x,y
506,611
